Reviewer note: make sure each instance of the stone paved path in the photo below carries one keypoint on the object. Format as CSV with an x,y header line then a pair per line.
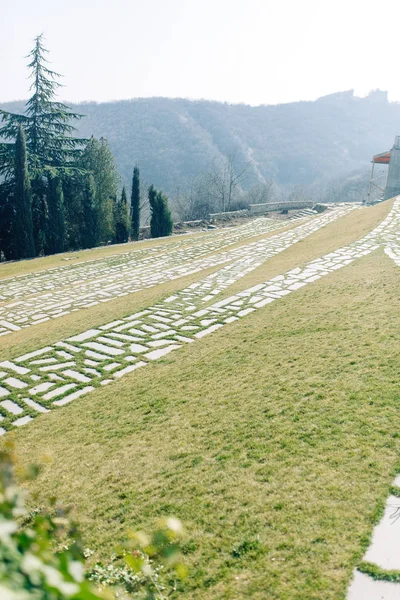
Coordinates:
x,y
120,275
55,375
35,298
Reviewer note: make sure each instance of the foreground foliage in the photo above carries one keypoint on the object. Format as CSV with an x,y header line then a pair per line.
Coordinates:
x,y
42,557
30,567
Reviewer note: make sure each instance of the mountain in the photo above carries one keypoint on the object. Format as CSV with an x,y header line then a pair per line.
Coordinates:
x,y
173,140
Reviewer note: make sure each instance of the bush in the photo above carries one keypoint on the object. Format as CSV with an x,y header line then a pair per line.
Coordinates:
x,y
42,557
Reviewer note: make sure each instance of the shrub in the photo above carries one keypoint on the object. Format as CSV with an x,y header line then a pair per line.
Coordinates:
x,y
42,557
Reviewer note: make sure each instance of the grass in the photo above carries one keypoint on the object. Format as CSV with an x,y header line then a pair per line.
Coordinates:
x,y
275,441
338,233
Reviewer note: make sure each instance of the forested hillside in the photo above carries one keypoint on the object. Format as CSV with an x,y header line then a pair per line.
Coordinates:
x,y
173,140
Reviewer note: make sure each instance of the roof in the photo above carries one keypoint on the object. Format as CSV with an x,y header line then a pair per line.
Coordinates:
x,y
383,158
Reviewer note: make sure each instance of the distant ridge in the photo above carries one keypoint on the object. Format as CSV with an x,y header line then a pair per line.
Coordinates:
x,y
173,140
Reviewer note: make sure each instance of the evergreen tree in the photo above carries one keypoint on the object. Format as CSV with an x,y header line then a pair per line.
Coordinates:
x,y
46,122
39,214
22,226
122,219
73,188
99,161
6,219
135,205
51,146
89,214
161,223
55,234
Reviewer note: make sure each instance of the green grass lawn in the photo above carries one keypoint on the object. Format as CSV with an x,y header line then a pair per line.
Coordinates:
x,y
274,440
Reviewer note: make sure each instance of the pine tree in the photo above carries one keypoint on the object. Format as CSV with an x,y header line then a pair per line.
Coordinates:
x,y
55,234
22,226
122,219
52,148
135,205
46,122
161,223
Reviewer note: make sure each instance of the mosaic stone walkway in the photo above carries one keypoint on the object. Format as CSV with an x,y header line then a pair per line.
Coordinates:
x,y
130,275
35,298
53,376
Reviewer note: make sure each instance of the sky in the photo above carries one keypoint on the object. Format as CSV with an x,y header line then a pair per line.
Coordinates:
x,y
251,51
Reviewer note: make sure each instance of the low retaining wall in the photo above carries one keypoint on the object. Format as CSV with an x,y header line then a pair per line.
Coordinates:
x,y
228,215
258,209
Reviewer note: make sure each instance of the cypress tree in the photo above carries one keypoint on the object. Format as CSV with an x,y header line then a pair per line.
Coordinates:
x,y
154,212
22,226
89,221
6,219
161,223
99,161
55,234
135,205
39,215
122,219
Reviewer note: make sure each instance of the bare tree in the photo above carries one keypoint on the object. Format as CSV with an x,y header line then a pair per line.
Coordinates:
x,y
224,181
261,193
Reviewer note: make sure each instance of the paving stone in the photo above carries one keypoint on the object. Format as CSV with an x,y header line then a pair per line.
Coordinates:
x,y
158,343
42,387
6,364
384,549
57,367
128,369
104,349
55,377
97,356
11,407
157,336
15,383
34,354
59,391
73,396
22,421
76,375
364,587
84,336
155,354
35,405
207,331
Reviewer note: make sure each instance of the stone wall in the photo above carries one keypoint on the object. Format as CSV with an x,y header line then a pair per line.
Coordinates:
x,y
260,209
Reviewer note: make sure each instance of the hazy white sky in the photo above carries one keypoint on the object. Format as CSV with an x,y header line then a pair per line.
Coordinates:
x,y
252,51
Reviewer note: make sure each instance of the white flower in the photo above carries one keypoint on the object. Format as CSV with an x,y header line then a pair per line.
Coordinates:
x,y
55,579
7,528
76,570
30,563
174,525
7,594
